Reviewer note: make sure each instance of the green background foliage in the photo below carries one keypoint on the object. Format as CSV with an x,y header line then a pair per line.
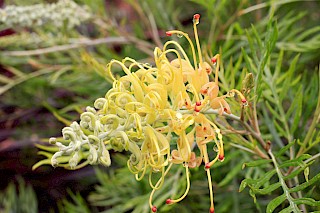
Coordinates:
x,y
48,76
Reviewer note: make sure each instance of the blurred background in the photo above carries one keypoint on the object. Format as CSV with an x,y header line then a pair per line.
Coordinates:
x,y
52,62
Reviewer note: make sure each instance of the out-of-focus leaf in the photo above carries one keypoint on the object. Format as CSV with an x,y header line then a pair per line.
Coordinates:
x,y
288,80
235,170
269,44
285,148
256,163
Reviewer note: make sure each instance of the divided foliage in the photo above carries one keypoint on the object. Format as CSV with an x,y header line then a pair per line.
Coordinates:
x,y
273,180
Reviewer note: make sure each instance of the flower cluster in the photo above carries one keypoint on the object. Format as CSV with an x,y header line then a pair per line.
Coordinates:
x,y
159,114
60,13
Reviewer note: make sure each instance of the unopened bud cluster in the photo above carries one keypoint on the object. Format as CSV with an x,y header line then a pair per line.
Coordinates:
x,y
57,14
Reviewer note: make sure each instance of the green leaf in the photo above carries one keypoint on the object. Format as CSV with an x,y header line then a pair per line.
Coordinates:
x,y
257,36
243,185
295,162
272,205
253,195
278,66
98,67
271,127
284,149
298,171
273,111
306,173
295,110
307,33
57,114
269,44
279,128
256,163
48,148
46,154
248,61
266,177
234,171
307,201
306,184
267,189
252,46
289,73
296,80
287,210
256,183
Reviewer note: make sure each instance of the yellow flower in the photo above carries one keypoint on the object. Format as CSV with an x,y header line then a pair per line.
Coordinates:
x,y
145,108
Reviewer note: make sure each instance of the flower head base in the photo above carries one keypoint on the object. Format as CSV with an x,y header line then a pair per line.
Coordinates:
x,y
143,110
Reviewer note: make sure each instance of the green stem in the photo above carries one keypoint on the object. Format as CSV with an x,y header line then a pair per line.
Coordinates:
x,y
255,117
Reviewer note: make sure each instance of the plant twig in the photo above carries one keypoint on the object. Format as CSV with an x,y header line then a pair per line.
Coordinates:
x,y
284,186
266,4
154,29
66,47
236,118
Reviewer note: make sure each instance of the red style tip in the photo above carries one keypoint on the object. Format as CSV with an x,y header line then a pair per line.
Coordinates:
x,y
243,100
198,103
168,201
214,60
211,210
221,157
196,16
207,166
203,92
154,209
168,33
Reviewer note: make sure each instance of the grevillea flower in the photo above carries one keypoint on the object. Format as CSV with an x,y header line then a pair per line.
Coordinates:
x,y
145,108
